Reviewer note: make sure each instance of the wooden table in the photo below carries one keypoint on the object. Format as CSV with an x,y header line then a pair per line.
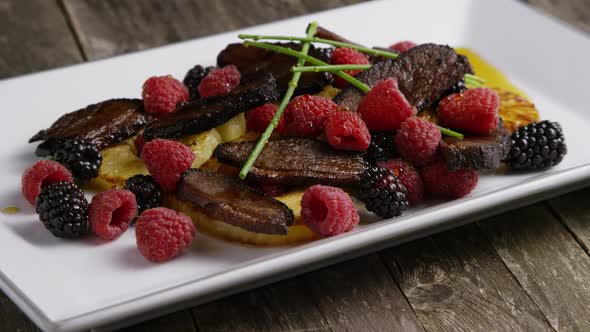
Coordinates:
x,y
526,270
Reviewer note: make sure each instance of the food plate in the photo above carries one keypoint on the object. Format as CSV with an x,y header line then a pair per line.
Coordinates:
x,y
64,285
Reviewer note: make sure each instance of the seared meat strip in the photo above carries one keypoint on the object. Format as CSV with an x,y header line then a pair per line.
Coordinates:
x,y
103,124
324,33
424,74
204,114
483,153
254,62
295,161
230,200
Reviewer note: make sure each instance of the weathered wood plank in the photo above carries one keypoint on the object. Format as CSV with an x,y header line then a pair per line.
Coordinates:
x,y
360,295
352,296
283,306
455,281
113,27
573,211
547,261
575,12
34,36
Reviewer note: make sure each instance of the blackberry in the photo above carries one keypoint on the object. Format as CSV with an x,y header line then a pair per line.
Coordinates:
x,y
457,88
193,78
81,157
382,192
536,146
148,193
63,209
382,147
325,53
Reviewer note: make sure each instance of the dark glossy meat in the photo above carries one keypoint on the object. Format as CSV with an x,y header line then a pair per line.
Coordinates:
x,y
254,62
296,161
424,74
230,200
204,114
481,153
103,124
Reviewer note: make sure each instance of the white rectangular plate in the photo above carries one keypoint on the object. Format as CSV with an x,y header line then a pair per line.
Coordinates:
x,y
71,285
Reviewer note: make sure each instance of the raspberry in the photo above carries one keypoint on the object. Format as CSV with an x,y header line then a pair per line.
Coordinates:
x,y
417,141
442,183
402,46
385,107
347,56
166,161
163,233
219,82
304,115
328,211
161,94
259,117
111,212
408,176
474,111
41,174
346,131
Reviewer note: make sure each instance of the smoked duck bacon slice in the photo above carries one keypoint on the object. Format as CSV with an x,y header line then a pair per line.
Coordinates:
x,y
296,161
254,62
223,197
204,114
481,153
424,74
103,124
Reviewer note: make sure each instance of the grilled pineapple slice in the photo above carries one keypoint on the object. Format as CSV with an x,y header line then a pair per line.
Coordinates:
x,y
119,162
203,145
515,110
296,233
233,129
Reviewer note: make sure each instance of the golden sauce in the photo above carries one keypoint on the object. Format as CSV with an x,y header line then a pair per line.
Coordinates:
x,y
10,210
493,76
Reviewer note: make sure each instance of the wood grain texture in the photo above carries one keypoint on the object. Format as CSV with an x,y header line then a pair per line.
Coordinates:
x,y
455,281
547,261
574,12
360,295
573,211
34,36
283,306
112,27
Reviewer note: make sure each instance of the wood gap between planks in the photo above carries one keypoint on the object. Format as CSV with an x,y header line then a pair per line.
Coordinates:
x,y
391,275
561,220
512,275
64,10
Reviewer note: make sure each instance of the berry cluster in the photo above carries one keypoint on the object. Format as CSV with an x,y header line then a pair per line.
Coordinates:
x,y
65,212
397,131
